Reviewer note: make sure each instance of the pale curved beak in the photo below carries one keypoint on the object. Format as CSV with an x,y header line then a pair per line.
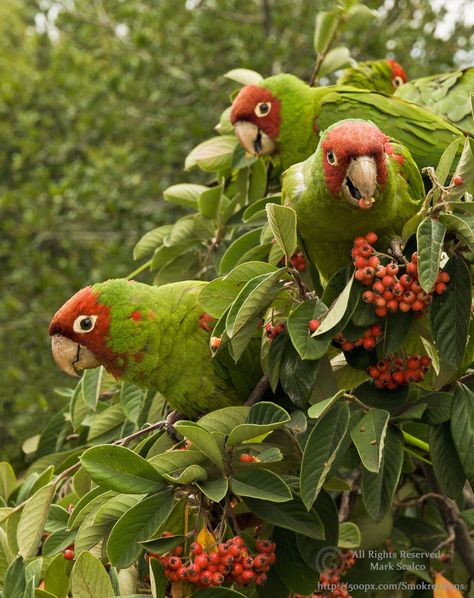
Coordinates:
x,y
253,140
72,357
360,182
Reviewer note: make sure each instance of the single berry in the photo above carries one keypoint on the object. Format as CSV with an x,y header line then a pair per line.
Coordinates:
x,y
175,563
215,342
371,238
368,297
246,458
458,180
313,325
206,578
196,548
69,554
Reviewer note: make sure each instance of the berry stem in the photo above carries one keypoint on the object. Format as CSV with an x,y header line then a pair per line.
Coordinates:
x,y
414,441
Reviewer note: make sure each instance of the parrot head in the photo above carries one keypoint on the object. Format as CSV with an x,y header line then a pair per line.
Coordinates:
x,y
399,77
256,118
78,330
354,161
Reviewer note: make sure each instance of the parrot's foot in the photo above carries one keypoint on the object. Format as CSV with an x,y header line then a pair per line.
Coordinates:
x,y
395,249
171,419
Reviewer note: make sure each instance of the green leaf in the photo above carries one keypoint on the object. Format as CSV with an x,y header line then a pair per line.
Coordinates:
x,y
464,169
14,584
202,440
429,239
258,180
378,488
158,580
150,241
321,450
131,400
462,427
450,313
446,161
327,24
322,407
244,76
368,436
446,464
172,460
256,295
342,305
89,579
282,220
137,525
105,421
308,346
397,327
192,473
96,496
462,225
163,544
263,417
91,381
214,489
291,515
290,567
260,483
57,542
33,519
118,468
234,254
349,535
7,480
184,194
298,378
213,154
209,200
224,420
56,580
216,296
335,59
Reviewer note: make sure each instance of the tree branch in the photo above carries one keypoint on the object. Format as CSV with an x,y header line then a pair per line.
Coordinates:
x,y
257,393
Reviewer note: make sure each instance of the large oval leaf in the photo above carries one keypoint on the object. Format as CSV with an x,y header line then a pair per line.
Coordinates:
x,y
368,436
260,483
429,241
33,519
262,418
89,578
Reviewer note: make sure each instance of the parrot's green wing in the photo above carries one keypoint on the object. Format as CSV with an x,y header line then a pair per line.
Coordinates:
x,y
373,75
425,134
447,95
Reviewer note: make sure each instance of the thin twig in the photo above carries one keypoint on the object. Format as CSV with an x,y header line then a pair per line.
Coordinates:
x,y
257,393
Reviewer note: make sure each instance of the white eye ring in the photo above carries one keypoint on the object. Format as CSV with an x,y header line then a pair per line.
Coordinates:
x,y
397,81
84,324
331,157
263,108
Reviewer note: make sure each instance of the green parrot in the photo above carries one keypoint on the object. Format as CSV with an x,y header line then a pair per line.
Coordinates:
x,y
447,95
383,76
357,181
154,337
283,116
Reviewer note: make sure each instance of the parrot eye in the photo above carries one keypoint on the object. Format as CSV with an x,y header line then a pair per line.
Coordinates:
x,y
84,324
397,81
331,156
263,108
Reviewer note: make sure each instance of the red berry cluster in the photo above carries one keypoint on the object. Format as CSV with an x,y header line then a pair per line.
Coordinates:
x,y
230,562
272,331
368,340
393,371
298,261
391,289
330,583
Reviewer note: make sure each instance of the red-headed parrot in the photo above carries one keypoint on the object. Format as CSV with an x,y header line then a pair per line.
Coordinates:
x,y
384,76
154,337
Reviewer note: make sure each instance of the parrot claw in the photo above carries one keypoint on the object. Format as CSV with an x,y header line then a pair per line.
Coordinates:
x,y
395,249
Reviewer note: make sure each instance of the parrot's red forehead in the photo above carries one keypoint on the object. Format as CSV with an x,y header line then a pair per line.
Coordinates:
x,y
83,303
245,106
397,70
352,139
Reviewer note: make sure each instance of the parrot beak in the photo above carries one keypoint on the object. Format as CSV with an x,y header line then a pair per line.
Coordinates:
x,y
72,357
360,183
253,140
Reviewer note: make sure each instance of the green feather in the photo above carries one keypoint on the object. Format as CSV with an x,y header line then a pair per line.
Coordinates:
x,y
373,75
328,225
166,349
307,110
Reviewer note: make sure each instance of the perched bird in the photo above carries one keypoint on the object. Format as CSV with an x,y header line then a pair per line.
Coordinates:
x,y
447,95
357,181
283,116
154,337
383,76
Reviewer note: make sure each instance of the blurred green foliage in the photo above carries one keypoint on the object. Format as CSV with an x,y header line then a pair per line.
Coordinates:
x,y
100,101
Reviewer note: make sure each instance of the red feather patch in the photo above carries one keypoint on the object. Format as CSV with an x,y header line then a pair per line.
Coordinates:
x,y
397,70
